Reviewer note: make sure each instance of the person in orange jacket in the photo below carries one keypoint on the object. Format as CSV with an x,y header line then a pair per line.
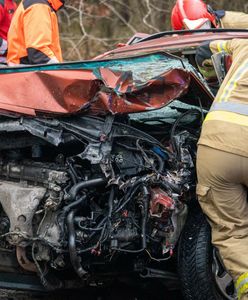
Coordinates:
x,y
33,36
196,14
7,9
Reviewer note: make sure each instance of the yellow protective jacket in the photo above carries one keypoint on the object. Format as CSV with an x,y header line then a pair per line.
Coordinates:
x,y
226,125
234,19
33,36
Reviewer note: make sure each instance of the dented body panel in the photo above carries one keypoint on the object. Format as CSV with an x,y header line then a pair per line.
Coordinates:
x,y
117,86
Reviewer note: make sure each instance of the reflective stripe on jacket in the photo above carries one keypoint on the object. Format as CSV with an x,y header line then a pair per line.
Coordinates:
x,y
34,35
241,285
226,125
230,106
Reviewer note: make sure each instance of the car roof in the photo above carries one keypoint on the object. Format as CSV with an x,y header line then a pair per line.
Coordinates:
x,y
173,41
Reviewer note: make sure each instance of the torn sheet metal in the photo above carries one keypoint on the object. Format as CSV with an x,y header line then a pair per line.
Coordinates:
x,y
121,86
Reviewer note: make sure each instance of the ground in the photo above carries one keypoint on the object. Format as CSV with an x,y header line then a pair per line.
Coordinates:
x,y
116,293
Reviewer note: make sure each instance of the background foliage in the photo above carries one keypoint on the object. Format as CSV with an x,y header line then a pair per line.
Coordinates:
x,y
90,27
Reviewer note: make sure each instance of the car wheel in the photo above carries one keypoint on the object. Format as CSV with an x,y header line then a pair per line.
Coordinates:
x,y
201,271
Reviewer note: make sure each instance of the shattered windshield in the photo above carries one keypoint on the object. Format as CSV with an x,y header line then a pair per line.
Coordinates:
x,y
148,67
143,68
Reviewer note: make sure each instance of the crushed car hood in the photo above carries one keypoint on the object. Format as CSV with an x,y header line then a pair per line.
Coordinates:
x,y
116,86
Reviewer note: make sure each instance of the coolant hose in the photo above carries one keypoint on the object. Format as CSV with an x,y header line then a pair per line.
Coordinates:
x,y
75,259
85,184
70,209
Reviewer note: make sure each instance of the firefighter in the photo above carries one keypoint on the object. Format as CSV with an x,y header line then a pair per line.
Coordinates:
x,y
34,35
7,9
195,14
222,161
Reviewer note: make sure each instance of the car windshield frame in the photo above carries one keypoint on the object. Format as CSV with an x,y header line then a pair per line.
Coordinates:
x,y
185,32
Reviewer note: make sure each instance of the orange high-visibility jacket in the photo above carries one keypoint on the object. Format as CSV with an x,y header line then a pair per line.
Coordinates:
x,y
33,36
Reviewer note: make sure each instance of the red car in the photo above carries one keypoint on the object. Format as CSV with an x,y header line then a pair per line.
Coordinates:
x,y
97,172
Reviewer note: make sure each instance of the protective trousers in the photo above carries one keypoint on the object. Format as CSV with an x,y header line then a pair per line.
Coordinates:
x,y
222,193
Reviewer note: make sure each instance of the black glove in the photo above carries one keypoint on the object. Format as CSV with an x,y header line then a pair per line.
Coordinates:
x,y
203,53
220,14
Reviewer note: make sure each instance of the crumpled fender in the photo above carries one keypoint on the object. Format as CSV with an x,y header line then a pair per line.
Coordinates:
x,y
100,91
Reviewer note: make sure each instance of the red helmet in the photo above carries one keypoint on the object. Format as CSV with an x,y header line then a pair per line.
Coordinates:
x,y
191,14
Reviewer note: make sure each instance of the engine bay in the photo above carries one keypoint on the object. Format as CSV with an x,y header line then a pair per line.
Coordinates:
x,y
83,197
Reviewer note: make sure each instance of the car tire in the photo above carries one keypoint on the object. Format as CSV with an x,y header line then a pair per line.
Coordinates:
x,y
200,269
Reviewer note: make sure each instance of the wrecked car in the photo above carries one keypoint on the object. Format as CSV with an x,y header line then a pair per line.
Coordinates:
x,y
97,167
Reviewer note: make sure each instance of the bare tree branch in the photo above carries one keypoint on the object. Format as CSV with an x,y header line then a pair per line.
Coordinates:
x,y
90,27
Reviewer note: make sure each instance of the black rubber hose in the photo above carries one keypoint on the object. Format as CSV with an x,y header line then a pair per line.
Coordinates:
x,y
77,187
69,207
171,186
85,184
74,204
75,259
69,210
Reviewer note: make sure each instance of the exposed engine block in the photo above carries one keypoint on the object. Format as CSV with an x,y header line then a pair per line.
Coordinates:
x,y
77,201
